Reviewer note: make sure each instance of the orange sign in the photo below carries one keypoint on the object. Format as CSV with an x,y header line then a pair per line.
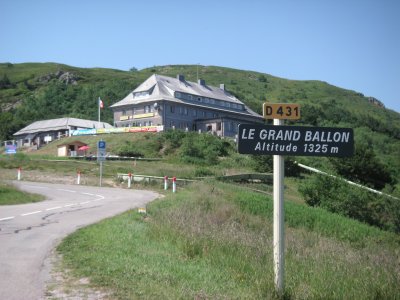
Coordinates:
x,y
284,111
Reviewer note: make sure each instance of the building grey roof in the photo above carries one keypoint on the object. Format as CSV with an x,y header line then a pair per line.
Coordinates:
x,y
158,87
60,124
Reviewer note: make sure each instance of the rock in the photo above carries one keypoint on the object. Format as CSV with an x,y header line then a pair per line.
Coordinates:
x,y
68,78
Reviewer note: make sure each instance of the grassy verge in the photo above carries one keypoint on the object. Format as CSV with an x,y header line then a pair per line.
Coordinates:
x,y
9,195
214,240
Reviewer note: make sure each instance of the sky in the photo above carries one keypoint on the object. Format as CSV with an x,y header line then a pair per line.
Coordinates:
x,y
352,44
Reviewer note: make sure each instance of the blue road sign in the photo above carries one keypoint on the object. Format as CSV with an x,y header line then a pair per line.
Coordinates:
x,y
101,145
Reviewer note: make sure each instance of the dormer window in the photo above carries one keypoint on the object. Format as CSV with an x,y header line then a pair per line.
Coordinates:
x,y
178,95
141,94
199,99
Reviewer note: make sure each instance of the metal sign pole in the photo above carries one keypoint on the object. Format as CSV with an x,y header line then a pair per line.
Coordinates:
x,y
101,172
279,226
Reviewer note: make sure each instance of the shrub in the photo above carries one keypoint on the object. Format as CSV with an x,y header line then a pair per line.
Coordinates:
x,y
129,149
202,148
339,197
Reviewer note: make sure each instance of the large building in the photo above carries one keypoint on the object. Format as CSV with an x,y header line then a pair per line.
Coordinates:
x,y
42,132
181,104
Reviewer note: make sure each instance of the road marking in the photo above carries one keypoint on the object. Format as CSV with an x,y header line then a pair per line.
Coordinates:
x,y
8,218
31,213
100,198
57,207
69,191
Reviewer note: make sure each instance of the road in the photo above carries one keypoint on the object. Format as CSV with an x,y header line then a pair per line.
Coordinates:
x,y
29,232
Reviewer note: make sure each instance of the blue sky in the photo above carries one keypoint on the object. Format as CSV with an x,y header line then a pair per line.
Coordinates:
x,y
350,44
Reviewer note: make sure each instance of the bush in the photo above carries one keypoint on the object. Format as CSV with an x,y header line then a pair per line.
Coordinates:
x,y
339,197
129,149
364,167
202,148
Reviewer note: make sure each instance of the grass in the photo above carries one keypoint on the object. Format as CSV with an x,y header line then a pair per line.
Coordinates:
x,y
9,195
214,240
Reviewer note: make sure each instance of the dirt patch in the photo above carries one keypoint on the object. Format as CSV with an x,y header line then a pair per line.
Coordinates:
x,y
62,284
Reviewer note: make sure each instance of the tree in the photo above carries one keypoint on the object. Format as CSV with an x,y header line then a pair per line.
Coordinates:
x,y
5,82
364,167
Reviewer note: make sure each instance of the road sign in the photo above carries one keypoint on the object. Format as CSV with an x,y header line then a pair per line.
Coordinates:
x,y
101,151
295,140
281,111
11,149
101,145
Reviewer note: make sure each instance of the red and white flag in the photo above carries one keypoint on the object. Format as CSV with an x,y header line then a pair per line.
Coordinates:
x,y
101,104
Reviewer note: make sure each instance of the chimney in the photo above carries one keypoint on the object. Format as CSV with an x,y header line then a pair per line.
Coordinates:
x,y
201,82
180,77
222,86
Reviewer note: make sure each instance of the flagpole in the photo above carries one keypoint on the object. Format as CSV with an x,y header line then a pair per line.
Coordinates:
x,y
98,104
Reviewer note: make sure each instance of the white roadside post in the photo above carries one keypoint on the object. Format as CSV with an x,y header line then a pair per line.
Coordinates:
x,y
129,180
19,173
174,184
78,180
165,183
279,225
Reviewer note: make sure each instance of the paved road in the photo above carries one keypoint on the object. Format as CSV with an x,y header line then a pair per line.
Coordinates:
x,y
29,232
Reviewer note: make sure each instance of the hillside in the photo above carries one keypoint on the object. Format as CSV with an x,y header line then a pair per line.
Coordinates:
x,y
35,91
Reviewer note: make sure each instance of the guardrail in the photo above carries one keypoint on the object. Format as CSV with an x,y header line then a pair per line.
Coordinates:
x,y
255,177
149,178
123,158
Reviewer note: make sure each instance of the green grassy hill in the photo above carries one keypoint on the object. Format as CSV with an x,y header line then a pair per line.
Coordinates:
x,y
37,91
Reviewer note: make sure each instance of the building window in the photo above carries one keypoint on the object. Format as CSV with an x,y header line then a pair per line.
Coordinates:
x,y
219,126
204,114
146,108
199,99
178,95
212,101
124,112
185,111
172,108
194,113
190,97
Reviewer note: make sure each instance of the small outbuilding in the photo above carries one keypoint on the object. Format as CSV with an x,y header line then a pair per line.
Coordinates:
x,y
75,148
43,132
